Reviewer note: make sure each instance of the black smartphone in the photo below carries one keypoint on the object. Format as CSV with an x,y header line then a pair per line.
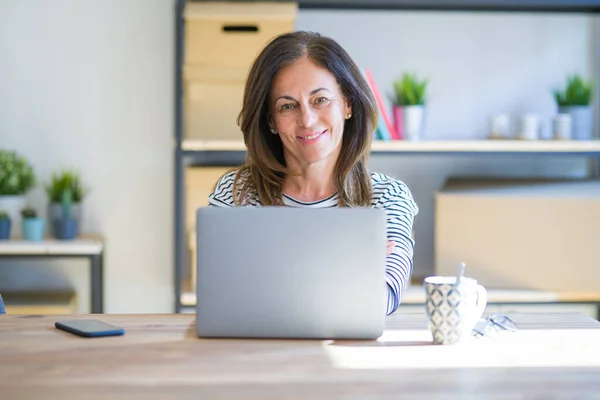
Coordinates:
x,y
89,328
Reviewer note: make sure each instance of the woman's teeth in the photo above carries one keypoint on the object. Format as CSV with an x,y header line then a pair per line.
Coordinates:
x,y
316,135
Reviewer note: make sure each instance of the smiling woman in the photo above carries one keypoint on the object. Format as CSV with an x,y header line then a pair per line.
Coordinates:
x,y
307,118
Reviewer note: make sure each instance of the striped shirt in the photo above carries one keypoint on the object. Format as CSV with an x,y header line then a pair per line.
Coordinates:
x,y
389,194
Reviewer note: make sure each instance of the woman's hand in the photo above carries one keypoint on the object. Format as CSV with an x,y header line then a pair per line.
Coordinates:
x,y
390,247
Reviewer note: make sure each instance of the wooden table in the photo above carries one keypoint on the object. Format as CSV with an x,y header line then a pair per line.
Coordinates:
x,y
91,248
551,356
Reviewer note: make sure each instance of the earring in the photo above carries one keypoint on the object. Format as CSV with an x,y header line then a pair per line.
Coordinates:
x,y
273,131
348,116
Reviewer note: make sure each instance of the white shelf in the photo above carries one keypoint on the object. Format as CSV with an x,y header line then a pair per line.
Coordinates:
x,y
212,145
79,246
458,146
491,146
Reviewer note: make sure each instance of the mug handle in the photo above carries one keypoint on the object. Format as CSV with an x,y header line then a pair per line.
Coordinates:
x,y
481,301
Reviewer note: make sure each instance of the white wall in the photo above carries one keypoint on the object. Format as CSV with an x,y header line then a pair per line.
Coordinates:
x,y
478,63
89,84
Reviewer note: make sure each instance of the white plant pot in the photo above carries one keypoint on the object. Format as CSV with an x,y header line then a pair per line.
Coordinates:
x,y
413,122
13,206
582,121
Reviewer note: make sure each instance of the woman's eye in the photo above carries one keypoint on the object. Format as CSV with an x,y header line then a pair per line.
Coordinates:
x,y
321,100
287,107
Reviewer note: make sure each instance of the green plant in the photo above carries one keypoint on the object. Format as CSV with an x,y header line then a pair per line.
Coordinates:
x,y
28,212
578,92
410,90
62,182
16,174
4,215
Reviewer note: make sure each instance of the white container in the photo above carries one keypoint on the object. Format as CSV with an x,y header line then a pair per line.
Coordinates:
x,y
582,121
562,126
413,122
530,127
499,126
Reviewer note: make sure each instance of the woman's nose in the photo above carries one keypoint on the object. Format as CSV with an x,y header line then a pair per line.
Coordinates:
x,y
308,117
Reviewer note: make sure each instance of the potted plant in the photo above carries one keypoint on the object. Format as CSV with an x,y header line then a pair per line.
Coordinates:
x,y
4,225
33,226
64,227
65,193
16,179
575,100
409,108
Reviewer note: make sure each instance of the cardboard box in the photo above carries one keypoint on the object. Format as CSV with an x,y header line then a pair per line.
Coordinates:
x,y
230,34
520,234
211,103
221,42
199,183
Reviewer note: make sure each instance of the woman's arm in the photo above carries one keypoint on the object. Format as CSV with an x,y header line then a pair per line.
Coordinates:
x,y
401,210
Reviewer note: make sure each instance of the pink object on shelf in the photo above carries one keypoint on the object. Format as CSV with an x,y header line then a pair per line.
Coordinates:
x,y
380,104
399,121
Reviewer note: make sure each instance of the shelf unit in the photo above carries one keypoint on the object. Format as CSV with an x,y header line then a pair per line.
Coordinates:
x,y
222,152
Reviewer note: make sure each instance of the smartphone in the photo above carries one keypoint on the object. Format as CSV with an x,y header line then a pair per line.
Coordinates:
x,y
89,328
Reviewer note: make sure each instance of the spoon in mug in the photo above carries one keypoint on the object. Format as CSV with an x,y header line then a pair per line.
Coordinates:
x,y
460,271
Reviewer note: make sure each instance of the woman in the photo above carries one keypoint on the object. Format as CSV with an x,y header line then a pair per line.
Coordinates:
x,y
307,117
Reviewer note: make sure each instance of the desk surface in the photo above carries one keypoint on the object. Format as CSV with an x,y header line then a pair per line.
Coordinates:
x,y
551,356
91,245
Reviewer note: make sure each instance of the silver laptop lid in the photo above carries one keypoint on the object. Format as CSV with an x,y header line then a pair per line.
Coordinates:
x,y
285,272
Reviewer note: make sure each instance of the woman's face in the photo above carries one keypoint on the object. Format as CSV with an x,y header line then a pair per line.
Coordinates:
x,y
308,112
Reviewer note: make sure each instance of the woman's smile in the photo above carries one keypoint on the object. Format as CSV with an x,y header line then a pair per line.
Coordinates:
x,y
312,137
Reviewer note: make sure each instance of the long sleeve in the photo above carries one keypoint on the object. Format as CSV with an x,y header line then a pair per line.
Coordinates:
x,y
401,210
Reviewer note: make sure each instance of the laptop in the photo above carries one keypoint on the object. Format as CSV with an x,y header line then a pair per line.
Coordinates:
x,y
283,272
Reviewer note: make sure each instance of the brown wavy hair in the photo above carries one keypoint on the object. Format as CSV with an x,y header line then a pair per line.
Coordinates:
x,y
262,175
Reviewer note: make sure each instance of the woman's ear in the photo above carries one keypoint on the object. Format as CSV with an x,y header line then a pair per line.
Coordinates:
x,y
272,127
348,110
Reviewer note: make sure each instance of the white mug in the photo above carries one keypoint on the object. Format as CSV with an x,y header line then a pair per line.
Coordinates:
x,y
499,126
453,309
530,127
562,125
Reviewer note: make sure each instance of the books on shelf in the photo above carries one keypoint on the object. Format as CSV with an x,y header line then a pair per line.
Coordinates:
x,y
385,127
